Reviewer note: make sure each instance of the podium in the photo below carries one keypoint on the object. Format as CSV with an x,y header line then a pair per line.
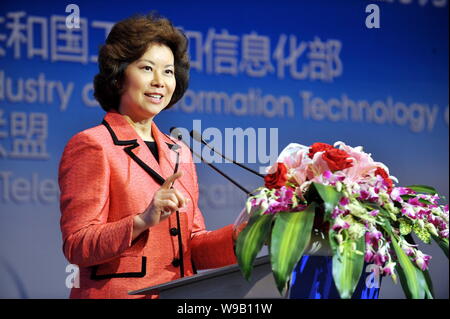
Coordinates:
x,y
229,283
222,283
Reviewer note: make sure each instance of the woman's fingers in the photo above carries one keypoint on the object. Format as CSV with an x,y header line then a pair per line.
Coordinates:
x,y
170,180
181,199
169,201
172,198
168,207
166,200
175,196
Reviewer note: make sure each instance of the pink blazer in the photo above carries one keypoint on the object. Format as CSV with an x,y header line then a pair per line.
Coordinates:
x,y
107,175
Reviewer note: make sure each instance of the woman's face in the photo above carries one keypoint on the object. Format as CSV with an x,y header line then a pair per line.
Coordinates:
x,y
149,83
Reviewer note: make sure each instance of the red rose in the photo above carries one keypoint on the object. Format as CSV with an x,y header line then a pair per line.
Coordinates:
x,y
384,174
318,147
337,159
277,179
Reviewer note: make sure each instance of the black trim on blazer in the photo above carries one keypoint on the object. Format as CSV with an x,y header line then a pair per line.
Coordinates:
x,y
139,274
141,163
177,162
194,269
114,137
132,145
180,239
175,147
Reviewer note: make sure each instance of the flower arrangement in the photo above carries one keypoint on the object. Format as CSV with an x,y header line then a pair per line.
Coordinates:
x,y
342,193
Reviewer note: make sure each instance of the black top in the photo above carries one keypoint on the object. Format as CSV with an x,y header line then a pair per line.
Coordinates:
x,y
154,149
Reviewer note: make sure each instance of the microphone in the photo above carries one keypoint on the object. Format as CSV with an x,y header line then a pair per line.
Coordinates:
x,y
198,137
175,131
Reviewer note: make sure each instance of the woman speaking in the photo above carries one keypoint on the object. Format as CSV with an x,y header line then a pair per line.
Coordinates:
x,y
129,193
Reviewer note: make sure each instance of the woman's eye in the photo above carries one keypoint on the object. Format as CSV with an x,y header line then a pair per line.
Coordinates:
x,y
147,68
169,71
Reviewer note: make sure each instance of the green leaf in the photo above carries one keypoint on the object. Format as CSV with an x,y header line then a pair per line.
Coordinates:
x,y
443,243
429,291
329,195
422,189
412,279
403,281
291,234
251,240
348,267
333,242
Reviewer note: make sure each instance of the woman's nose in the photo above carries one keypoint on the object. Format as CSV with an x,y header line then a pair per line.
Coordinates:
x,y
156,81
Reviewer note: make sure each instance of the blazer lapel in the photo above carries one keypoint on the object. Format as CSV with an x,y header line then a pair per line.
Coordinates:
x,y
169,155
169,151
125,136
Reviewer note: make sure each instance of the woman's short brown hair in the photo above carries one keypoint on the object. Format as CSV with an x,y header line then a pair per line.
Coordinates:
x,y
127,42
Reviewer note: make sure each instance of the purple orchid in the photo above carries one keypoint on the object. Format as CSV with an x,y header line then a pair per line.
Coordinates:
x,y
340,224
422,260
374,212
344,201
443,233
337,212
373,237
398,191
389,268
415,202
368,256
282,202
379,259
408,210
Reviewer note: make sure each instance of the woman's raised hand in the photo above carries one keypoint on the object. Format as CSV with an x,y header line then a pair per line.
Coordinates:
x,y
166,200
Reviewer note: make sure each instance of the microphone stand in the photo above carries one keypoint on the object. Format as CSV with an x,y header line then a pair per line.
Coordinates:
x,y
196,136
247,192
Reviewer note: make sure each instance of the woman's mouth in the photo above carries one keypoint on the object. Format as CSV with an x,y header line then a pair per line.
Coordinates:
x,y
154,97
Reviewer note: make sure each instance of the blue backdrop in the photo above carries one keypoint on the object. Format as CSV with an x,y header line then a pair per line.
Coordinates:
x,y
310,70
